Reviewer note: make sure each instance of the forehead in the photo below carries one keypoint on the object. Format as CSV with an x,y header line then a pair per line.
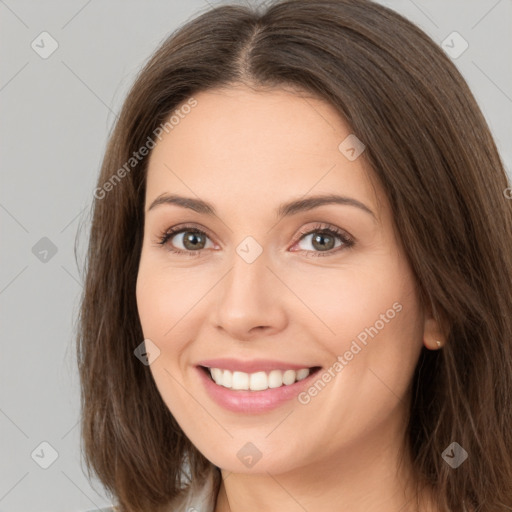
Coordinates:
x,y
257,148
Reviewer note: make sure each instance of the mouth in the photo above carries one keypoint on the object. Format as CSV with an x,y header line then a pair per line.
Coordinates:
x,y
259,380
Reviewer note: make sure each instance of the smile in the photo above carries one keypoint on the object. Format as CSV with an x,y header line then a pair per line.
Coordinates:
x,y
255,392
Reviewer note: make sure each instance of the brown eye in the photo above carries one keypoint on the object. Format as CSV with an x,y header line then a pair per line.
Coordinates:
x,y
192,240
323,241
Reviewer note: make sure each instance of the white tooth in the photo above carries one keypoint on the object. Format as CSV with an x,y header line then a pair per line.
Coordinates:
x,y
303,373
258,381
227,378
216,374
275,379
240,380
289,377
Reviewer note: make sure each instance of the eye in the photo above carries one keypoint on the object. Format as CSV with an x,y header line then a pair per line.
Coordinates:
x,y
191,238
323,240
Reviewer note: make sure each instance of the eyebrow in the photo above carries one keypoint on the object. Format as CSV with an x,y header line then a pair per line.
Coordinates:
x,y
284,210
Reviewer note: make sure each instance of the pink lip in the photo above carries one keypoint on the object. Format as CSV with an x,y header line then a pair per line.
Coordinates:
x,y
252,401
255,365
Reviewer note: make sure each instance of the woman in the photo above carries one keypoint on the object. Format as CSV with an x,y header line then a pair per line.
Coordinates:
x,y
299,274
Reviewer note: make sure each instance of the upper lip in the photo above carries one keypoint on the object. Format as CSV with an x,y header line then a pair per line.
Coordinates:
x,y
253,365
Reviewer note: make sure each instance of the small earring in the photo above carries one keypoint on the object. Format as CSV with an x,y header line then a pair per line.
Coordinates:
x,y
438,344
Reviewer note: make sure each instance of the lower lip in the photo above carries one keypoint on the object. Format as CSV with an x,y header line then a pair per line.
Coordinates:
x,y
252,401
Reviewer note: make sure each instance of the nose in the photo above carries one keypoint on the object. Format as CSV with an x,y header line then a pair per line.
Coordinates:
x,y
250,300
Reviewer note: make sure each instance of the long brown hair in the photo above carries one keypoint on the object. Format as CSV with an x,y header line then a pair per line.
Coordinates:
x,y
430,148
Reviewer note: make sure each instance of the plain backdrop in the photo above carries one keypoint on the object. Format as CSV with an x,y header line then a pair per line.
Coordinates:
x,y
56,113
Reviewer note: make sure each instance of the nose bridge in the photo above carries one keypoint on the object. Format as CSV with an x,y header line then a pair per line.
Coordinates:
x,y
247,282
248,295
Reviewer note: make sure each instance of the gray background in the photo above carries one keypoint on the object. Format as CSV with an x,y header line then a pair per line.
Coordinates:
x,y
56,114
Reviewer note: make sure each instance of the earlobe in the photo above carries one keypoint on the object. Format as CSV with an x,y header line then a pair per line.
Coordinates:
x,y
432,337
432,344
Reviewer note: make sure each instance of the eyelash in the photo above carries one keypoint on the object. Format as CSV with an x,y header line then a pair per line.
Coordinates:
x,y
347,241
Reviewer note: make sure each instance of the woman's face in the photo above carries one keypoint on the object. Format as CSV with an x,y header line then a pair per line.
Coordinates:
x,y
269,286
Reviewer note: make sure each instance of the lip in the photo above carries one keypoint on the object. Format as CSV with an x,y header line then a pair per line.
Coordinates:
x,y
252,366
253,402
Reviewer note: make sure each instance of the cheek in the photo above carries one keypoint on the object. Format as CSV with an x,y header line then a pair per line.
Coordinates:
x,y
344,302
164,298
162,312
169,302
152,300
378,328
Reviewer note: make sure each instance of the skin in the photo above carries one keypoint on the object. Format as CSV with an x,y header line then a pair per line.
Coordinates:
x,y
246,151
